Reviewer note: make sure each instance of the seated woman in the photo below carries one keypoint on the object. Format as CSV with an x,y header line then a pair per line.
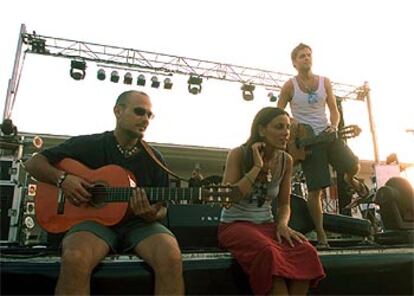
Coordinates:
x,y
277,259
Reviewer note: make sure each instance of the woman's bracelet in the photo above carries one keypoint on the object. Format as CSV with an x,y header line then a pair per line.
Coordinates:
x,y
249,179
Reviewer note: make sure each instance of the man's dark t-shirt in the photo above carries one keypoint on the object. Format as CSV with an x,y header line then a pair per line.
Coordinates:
x,y
98,150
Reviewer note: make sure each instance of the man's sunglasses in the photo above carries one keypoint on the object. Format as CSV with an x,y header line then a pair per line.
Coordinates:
x,y
139,111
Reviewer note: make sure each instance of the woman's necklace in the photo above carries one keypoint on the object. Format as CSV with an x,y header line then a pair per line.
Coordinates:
x,y
127,152
269,175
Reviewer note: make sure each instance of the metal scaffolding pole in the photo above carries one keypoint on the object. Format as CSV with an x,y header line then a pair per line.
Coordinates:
x,y
371,122
13,81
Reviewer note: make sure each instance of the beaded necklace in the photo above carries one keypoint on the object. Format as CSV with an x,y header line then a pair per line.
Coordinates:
x,y
127,152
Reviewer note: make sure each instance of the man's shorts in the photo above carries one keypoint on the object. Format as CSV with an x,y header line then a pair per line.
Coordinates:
x,y
316,164
123,237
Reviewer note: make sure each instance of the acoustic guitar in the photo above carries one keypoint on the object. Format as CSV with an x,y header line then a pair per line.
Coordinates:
x,y
302,136
111,190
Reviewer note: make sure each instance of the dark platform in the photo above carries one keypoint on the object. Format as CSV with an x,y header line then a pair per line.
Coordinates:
x,y
363,269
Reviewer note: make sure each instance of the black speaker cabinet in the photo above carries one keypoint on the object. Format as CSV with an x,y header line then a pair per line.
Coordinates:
x,y
195,226
301,220
6,202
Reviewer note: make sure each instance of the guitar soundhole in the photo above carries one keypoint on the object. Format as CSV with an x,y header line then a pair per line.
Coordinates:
x,y
99,195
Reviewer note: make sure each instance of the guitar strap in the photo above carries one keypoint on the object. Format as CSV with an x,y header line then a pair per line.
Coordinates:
x,y
149,151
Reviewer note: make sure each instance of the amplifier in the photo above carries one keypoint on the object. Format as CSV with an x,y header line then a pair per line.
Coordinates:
x,y
12,180
195,226
17,211
6,201
301,220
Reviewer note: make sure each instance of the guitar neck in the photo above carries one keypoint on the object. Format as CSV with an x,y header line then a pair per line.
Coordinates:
x,y
154,194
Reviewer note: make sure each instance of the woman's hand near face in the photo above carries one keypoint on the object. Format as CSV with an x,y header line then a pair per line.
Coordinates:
x,y
258,151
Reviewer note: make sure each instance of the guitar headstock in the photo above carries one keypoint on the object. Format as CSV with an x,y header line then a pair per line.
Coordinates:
x,y
349,131
220,194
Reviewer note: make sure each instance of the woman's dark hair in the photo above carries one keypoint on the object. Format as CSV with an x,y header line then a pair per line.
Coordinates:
x,y
262,118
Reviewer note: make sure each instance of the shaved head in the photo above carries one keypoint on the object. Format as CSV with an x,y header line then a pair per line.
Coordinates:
x,y
124,97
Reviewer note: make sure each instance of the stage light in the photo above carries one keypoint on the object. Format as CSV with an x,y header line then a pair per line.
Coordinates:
x,y
168,83
141,80
77,69
7,128
114,76
155,83
362,93
128,78
194,85
39,45
101,75
272,97
248,91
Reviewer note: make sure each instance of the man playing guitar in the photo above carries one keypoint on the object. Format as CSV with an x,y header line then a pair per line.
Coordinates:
x,y
308,95
88,242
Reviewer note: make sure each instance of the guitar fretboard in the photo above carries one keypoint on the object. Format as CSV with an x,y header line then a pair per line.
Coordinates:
x,y
121,194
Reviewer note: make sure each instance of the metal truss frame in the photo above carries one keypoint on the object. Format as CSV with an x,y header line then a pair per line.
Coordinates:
x,y
163,64
135,59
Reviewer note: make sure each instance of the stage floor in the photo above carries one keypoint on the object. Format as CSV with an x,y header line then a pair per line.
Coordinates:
x,y
352,270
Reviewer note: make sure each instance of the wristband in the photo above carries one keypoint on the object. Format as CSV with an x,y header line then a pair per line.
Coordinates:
x,y
61,178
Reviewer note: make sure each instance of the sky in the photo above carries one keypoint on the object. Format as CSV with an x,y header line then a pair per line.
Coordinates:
x,y
352,41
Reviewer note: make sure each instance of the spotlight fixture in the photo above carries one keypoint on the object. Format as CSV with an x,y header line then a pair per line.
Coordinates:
x,y
168,83
194,85
141,80
128,78
155,83
7,128
39,45
248,91
101,74
114,76
77,69
361,93
272,97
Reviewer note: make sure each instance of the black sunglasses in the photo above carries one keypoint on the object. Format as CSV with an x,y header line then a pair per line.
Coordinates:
x,y
142,111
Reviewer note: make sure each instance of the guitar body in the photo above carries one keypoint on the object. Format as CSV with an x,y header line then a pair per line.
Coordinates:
x,y
297,132
47,195
303,136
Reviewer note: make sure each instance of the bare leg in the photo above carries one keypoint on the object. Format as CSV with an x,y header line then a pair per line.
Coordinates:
x,y
316,212
298,287
162,253
279,287
81,252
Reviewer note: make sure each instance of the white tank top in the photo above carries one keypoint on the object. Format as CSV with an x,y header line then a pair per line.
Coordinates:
x,y
310,108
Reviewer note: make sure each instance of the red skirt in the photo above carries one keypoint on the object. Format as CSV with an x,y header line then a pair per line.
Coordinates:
x,y
256,249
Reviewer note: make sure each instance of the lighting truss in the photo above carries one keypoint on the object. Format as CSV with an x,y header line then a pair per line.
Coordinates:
x,y
168,64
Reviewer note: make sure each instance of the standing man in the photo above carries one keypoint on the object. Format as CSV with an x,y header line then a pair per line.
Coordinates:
x,y
308,95
88,242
